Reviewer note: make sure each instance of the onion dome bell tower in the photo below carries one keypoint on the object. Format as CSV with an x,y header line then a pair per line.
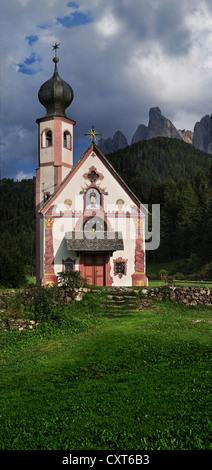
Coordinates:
x,y
55,135
55,94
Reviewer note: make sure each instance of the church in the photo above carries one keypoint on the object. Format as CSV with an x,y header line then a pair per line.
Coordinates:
x,y
87,218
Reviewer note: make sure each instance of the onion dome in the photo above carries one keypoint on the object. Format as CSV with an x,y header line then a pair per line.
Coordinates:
x,y
55,94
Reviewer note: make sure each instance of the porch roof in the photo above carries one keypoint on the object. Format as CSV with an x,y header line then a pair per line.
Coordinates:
x,y
94,241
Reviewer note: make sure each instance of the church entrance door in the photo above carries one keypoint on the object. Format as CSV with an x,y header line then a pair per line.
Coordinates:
x,y
94,268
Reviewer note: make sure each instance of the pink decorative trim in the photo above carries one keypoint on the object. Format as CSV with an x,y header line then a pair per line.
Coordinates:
x,y
49,275
57,142
93,168
38,219
108,277
52,164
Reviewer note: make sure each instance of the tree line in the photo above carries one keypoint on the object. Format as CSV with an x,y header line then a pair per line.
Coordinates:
x,y
17,236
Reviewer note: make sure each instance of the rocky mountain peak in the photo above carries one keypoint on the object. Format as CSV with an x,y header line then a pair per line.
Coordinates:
x,y
187,136
159,126
109,145
202,138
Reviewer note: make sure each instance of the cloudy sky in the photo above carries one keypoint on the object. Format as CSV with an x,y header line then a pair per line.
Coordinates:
x,y
121,57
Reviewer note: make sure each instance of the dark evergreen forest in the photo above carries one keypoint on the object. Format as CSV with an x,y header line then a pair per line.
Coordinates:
x,y
17,237
159,171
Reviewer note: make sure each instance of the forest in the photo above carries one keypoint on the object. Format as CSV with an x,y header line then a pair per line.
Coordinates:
x,y
17,237
161,171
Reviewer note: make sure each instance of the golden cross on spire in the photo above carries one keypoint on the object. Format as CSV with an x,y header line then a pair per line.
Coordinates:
x,y
93,134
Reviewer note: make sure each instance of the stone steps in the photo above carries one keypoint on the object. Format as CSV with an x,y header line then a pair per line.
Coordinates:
x,y
118,300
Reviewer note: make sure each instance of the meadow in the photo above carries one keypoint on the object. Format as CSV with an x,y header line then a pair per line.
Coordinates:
x,y
91,378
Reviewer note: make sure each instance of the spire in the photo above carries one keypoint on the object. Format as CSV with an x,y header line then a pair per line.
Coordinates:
x,y
55,59
55,94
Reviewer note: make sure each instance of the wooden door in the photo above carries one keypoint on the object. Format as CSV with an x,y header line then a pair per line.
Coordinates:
x,y
94,268
88,268
99,269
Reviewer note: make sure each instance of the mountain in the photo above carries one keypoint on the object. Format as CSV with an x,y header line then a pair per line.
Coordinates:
x,y
159,126
187,136
202,138
109,145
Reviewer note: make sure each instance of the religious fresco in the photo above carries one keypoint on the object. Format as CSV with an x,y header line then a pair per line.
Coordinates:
x,y
68,204
120,204
92,199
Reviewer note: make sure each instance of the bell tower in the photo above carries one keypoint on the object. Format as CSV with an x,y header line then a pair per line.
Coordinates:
x,y
55,144
55,134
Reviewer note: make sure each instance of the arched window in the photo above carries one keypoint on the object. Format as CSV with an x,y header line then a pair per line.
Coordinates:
x,y
48,138
67,140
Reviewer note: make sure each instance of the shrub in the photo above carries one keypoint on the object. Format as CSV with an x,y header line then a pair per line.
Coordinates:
x,y
152,276
71,280
206,272
179,276
163,275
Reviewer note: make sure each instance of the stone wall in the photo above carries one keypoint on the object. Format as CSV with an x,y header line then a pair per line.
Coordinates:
x,y
188,295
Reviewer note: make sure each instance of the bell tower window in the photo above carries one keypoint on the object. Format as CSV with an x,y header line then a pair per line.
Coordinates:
x,y
67,140
46,138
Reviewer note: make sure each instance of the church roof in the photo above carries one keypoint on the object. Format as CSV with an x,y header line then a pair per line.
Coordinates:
x,y
108,165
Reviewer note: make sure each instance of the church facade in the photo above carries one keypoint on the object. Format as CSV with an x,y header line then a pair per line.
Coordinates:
x,y
87,218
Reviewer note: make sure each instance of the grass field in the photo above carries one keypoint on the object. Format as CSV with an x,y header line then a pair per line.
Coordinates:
x,y
98,380
180,283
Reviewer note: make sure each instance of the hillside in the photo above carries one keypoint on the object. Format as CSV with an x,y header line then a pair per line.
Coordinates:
x,y
155,160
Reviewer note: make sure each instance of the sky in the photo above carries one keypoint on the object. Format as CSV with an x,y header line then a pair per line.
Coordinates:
x,y
121,57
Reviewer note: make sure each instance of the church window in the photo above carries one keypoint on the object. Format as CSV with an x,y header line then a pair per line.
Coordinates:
x,y
68,265
67,140
120,267
48,138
